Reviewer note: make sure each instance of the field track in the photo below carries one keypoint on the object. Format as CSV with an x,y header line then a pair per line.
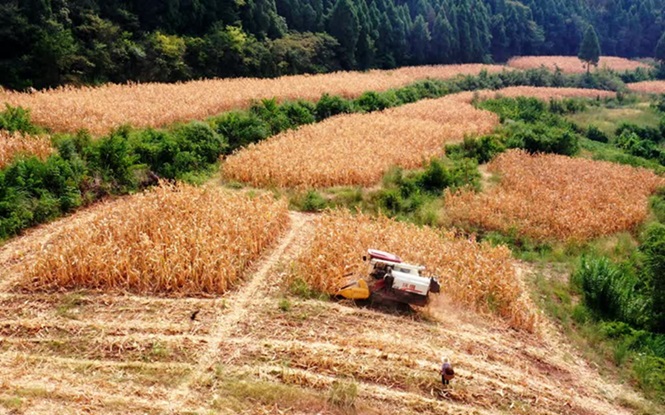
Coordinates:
x,y
81,352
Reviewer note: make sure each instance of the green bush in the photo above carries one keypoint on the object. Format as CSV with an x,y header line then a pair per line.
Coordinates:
x,y
375,101
609,292
329,106
17,119
653,249
595,134
313,202
516,109
482,149
241,128
539,137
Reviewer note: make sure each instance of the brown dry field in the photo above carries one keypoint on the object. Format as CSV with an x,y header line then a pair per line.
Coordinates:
x,y
572,64
100,109
251,351
648,87
550,197
358,149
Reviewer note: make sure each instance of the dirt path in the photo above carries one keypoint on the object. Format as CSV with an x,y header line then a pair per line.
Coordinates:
x,y
256,288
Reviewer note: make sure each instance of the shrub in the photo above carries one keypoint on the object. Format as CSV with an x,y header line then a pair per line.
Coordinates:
x,y
653,248
481,149
609,292
241,128
329,106
17,119
542,138
374,101
595,134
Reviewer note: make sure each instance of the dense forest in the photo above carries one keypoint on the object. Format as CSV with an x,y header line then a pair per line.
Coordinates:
x,y
46,43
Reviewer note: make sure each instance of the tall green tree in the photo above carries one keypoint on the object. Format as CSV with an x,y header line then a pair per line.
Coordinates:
x,y
590,49
419,41
344,26
660,49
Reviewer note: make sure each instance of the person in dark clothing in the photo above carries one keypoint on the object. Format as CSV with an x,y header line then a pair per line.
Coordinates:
x,y
447,372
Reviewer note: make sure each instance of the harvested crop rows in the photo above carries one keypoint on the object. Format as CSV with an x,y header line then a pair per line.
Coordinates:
x,y
474,275
552,197
103,108
572,64
173,240
648,87
358,149
81,352
17,144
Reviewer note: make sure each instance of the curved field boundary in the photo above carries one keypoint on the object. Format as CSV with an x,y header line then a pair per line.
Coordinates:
x,y
358,149
572,64
100,109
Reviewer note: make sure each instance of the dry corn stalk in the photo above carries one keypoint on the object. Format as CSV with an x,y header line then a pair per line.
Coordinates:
x,y
552,197
173,239
358,149
100,109
572,64
475,275
648,87
16,144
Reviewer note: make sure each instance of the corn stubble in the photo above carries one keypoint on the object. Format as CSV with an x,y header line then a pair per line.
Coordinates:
x,y
475,275
648,87
14,144
572,64
171,240
100,109
551,197
358,149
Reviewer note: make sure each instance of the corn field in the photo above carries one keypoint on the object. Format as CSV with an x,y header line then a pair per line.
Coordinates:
x,y
553,197
358,149
172,240
475,275
18,144
572,64
648,87
100,109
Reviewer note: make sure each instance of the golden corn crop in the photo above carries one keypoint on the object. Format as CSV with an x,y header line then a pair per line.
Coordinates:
x,y
100,109
173,240
572,64
476,275
358,149
16,144
648,87
553,197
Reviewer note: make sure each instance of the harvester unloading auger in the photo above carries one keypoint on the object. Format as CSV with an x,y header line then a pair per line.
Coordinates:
x,y
391,280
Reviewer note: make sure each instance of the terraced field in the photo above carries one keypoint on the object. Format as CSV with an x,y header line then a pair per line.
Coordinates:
x,y
100,109
358,149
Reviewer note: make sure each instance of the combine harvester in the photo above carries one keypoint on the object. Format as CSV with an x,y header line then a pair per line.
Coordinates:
x,y
391,281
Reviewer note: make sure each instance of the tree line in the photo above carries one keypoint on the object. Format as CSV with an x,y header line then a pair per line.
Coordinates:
x,y
45,43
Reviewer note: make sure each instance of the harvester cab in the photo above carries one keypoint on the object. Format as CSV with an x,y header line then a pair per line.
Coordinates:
x,y
389,279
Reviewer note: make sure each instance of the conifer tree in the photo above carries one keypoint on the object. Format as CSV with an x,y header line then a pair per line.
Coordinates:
x,y
590,49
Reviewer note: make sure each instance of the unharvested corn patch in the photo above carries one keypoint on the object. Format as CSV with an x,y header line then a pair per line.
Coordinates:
x,y
100,109
172,240
475,275
358,149
553,197
648,87
572,64
19,144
